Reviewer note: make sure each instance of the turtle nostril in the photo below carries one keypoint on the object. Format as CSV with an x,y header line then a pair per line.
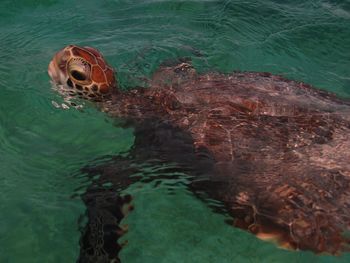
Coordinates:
x,y
78,75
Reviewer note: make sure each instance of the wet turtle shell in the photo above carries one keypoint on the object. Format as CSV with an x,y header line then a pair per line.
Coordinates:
x,y
274,151
280,149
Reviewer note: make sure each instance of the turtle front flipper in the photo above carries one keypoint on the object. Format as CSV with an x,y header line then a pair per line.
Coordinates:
x,y
159,150
105,208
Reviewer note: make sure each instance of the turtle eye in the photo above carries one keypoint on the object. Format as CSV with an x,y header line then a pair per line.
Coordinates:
x,y
78,75
79,70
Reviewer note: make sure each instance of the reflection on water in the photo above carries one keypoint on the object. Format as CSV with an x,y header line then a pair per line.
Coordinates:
x,y
42,149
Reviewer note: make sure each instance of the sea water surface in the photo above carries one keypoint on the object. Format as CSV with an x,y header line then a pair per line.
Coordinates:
x,y
43,148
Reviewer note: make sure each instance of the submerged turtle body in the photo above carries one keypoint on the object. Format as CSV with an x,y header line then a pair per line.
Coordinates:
x,y
280,149
276,151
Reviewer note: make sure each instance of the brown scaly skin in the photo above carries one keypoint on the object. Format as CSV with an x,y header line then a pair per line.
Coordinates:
x,y
276,151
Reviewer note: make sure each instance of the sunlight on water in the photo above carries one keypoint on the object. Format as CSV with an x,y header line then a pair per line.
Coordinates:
x,y
42,148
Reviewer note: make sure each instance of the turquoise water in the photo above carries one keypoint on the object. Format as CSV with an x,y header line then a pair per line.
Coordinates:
x,y
43,148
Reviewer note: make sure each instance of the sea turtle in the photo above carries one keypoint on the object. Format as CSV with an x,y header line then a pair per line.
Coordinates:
x,y
274,151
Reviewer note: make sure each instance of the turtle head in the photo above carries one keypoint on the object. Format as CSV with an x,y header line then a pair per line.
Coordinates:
x,y
82,71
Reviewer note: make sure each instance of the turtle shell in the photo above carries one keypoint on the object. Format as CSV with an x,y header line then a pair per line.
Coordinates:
x,y
275,151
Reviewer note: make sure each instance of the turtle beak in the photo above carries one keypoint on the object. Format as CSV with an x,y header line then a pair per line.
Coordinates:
x,y
55,72
52,70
